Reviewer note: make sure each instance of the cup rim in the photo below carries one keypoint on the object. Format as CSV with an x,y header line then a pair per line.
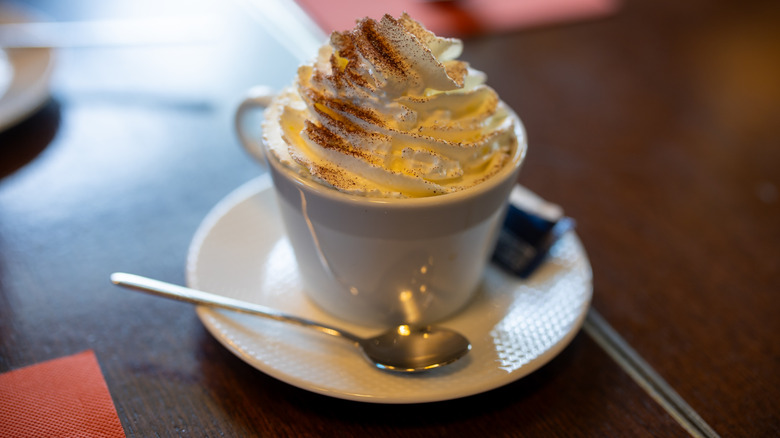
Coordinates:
x,y
508,171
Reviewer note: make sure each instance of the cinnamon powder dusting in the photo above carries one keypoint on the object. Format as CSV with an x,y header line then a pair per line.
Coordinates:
x,y
344,75
343,106
376,47
333,176
387,86
327,139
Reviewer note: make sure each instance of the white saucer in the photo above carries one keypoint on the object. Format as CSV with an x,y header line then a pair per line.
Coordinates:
x,y
24,75
515,326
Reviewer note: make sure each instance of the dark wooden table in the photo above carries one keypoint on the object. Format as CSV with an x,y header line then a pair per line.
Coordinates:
x,y
657,129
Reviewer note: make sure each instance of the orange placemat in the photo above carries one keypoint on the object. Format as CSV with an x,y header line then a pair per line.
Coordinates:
x,y
65,397
458,17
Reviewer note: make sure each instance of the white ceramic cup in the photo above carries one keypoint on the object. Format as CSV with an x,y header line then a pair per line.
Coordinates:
x,y
387,261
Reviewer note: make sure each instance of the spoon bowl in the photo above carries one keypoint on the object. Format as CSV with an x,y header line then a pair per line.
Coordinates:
x,y
403,348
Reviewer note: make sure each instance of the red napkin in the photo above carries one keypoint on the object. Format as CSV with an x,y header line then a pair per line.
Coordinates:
x,y
458,17
65,397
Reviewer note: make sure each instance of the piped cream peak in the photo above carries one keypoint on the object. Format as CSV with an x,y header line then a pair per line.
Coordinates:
x,y
387,109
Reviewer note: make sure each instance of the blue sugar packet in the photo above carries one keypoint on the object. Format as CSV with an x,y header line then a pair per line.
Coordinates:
x,y
531,228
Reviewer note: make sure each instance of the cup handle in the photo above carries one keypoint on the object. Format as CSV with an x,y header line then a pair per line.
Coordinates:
x,y
258,97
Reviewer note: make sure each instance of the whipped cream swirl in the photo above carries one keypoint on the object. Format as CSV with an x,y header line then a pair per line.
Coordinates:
x,y
386,109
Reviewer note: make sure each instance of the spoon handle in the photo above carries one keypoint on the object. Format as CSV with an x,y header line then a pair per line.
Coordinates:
x,y
181,293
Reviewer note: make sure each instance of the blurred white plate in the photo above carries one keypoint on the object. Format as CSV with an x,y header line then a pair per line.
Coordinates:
x,y
515,326
24,75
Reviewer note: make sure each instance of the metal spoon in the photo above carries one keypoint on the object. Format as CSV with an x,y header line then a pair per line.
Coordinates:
x,y
403,348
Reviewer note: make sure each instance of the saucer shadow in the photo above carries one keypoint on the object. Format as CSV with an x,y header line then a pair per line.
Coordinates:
x,y
243,393
21,143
